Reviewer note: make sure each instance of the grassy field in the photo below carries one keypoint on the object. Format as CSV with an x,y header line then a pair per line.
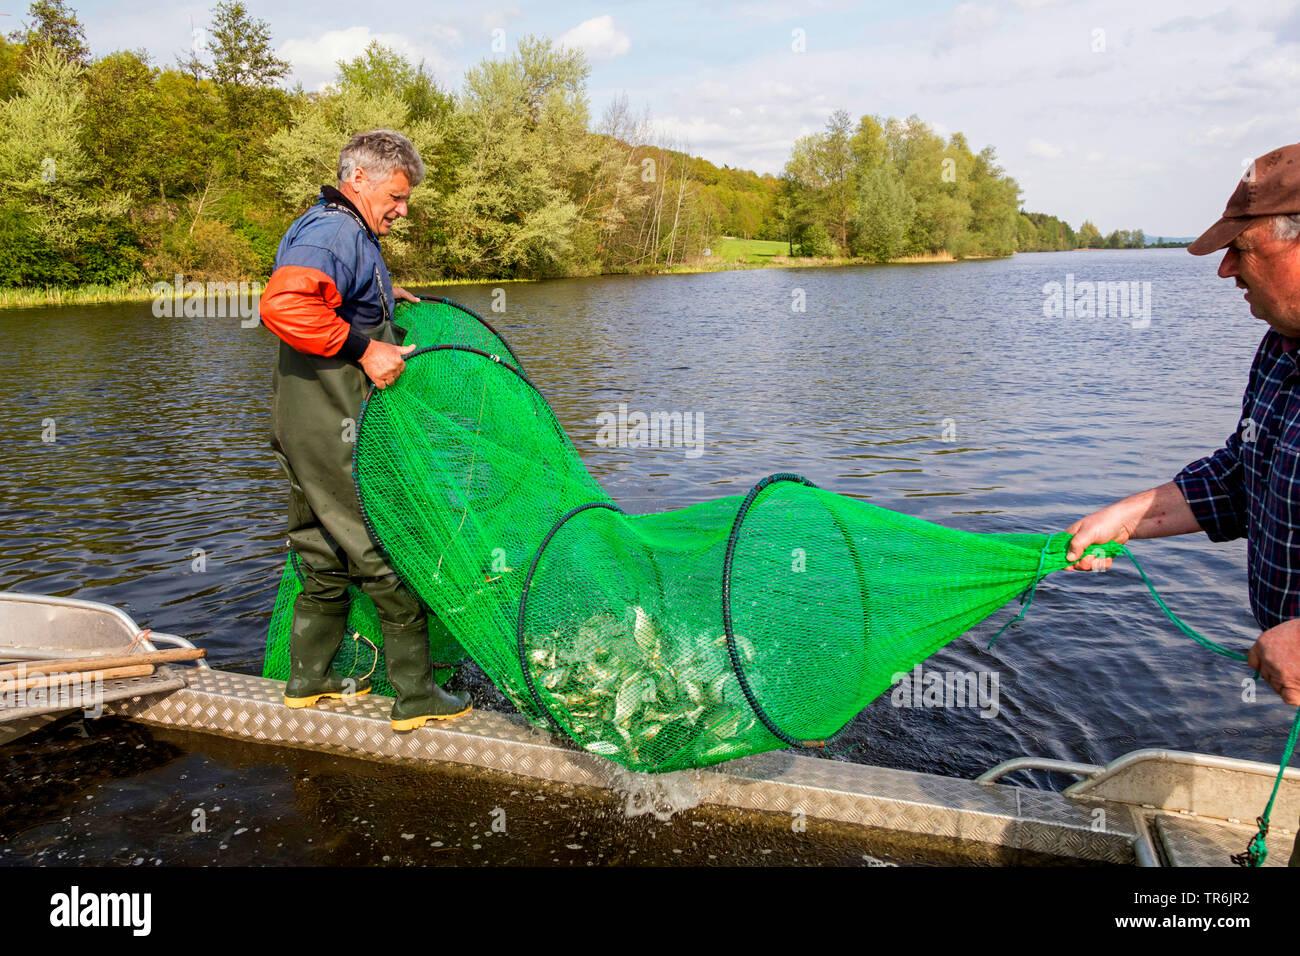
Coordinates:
x,y
748,251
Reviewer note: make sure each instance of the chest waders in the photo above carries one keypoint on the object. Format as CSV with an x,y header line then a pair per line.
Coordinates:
x,y
316,403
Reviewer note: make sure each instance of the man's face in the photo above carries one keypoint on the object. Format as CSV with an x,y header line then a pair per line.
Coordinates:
x,y
1269,270
380,203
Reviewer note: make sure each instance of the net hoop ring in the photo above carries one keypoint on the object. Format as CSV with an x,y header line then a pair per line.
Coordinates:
x,y
732,651
520,621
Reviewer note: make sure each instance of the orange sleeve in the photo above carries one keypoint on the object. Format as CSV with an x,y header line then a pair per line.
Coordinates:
x,y
298,305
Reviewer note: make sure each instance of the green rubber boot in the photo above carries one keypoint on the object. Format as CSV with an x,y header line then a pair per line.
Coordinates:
x,y
410,671
313,642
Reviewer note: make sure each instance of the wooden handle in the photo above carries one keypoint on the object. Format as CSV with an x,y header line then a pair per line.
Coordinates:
x,y
103,663
47,680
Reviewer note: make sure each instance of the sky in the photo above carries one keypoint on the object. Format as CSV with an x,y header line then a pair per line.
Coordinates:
x,y
1131,113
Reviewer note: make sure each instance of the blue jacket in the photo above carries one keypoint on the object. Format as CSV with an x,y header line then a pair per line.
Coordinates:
x,y
329,281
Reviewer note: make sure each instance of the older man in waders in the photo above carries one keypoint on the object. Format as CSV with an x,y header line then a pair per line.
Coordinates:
x,y
330,301
1251,486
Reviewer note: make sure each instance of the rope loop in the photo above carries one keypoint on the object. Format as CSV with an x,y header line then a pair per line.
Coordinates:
x,y
1256,851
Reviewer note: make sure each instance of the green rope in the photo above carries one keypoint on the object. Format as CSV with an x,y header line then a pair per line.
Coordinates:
x,y
1203,641
1027,598
1256,851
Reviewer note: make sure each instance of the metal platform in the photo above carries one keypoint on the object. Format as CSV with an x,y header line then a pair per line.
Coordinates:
x,y
1150,808
988,818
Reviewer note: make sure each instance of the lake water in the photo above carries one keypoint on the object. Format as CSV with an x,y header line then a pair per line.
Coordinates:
x,y
136,446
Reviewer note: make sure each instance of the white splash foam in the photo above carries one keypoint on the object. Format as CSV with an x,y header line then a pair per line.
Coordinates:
x,y
662,794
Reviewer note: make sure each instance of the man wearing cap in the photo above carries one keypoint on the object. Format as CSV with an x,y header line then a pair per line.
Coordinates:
x,y
1251,486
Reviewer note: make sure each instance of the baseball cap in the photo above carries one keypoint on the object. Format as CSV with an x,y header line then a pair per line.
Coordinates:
x,y
1269,187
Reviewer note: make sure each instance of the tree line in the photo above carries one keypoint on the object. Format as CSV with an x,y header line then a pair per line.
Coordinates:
x,y
118,170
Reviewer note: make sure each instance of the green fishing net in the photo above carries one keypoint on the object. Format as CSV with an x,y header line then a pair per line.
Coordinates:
x,y
660,641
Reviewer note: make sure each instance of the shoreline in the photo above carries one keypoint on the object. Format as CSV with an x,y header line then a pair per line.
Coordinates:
x,y
23,298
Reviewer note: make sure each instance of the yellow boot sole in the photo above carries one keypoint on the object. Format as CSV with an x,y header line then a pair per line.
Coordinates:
x,y
411,723
296,702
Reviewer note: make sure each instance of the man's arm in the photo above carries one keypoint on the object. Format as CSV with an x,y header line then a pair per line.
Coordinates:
x,y
1208,495
298,307
1155,513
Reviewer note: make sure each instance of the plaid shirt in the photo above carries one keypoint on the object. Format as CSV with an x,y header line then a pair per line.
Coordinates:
x,y
1251,486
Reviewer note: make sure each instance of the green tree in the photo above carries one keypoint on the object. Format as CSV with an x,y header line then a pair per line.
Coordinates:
x,y
784,210
611,197
380,71
1026,234
245,72
54,23
1089,237
816,242
55,230
995,204
522,125
884,211
837,169
937,178
185,149
119,119
11,67
868,145
242,59
821,170
42,161
807,188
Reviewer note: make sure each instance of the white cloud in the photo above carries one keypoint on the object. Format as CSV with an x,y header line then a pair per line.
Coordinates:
x,y
1044,150
315,59
1224,135
444,34
598,38
500,19
974,16
966,24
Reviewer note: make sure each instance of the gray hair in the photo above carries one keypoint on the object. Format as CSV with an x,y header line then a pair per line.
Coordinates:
x,y
380,152
1286,226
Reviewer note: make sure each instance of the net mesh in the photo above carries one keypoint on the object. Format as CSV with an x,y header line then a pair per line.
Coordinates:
x,y
661,641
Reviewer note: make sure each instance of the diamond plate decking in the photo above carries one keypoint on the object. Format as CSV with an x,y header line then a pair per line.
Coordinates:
x,y
1189,841
996,816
